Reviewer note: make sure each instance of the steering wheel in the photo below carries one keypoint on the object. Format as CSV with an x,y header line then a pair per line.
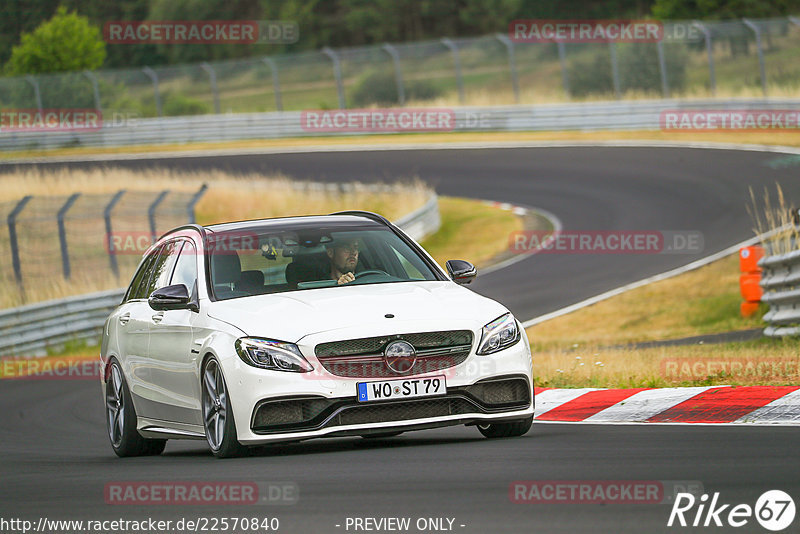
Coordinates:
x,y
369,272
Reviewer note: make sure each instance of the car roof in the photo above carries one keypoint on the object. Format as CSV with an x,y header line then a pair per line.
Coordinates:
x,y
306,221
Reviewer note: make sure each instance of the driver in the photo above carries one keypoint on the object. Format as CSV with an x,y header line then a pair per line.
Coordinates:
x,y
343,256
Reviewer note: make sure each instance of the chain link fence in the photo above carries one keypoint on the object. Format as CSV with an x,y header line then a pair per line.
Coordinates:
x,y
83,240
693,59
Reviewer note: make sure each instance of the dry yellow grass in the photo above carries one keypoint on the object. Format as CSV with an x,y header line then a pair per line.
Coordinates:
x,y
587,348
228,198
556,95
768,215
763,362
471,231
704,301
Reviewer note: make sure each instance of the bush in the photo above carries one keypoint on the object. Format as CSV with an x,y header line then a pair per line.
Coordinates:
x,y
638,66
638,70
376,87
590,74
176,104
380,87
67,90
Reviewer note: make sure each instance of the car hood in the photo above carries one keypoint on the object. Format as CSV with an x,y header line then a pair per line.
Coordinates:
x,y
359,309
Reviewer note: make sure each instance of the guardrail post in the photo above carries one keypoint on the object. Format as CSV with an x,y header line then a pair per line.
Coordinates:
x,y
212,80
193,202
154,78
662,67
512,63
612,50
62,234
276,84
112,255
562,60
12,236
398,72
337,73
151,214
709,50
761,66
36,94
95,90
457,64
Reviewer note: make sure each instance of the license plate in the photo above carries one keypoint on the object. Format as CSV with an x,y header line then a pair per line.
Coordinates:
x,y
401,389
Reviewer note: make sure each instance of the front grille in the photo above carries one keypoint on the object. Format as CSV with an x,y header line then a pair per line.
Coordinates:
x,y
404,411
501,392
289,412
363,358
311,413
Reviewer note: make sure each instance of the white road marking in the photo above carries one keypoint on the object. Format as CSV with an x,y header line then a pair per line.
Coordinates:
x,y
553,398
783,410
646,404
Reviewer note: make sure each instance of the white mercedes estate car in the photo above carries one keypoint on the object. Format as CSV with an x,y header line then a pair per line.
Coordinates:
x,y
287,329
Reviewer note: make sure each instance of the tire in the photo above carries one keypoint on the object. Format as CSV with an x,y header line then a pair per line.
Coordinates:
x,y
121,419
218,422
507,430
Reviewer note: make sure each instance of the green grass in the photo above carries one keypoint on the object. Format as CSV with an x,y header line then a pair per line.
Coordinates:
x,y
470,231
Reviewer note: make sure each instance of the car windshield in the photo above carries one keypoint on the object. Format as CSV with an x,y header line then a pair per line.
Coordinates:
x,y
246,262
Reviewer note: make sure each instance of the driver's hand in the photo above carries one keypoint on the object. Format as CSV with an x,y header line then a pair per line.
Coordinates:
x,y
346,278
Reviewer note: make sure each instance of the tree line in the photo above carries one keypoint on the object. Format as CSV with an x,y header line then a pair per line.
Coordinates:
x,y
70,42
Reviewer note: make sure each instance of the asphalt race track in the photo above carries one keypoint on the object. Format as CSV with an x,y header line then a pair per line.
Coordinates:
x,y
57,461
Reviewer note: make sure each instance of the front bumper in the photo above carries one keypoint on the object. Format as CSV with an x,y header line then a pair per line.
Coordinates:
x,y
272,406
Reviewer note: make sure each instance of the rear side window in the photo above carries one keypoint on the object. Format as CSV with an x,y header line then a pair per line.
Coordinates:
x,y
136,289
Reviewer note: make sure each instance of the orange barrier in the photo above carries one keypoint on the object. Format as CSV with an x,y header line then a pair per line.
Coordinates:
x,y
750,279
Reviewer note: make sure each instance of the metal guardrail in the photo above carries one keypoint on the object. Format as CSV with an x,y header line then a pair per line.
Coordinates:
x,y
622,115
33,328
30,330
53,236
780,281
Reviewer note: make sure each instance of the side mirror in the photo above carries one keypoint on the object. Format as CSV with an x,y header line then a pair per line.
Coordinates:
x,y
171,298
462,272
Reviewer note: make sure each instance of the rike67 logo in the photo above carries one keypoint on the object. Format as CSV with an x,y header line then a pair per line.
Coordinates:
x,y
774,510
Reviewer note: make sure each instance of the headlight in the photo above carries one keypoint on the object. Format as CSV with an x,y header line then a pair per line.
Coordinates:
x,y
272,355
499,334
